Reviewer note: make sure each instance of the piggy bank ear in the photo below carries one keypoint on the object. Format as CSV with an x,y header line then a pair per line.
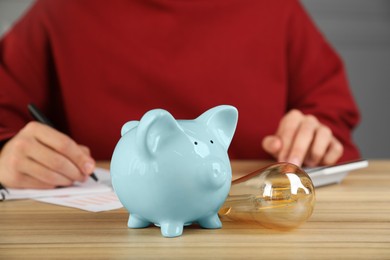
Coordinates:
x,y
128,126
222,120
155,130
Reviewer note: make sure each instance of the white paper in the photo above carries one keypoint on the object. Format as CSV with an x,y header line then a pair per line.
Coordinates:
x,y
93,202
88,187
90,195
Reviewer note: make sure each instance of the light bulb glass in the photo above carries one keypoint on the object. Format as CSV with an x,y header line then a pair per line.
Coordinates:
x,y
280,196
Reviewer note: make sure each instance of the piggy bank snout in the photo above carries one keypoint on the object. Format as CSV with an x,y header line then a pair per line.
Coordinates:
x,y
215,174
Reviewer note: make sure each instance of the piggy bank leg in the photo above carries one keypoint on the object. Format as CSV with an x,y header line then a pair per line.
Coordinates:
x,y
137,222
210,222
171,229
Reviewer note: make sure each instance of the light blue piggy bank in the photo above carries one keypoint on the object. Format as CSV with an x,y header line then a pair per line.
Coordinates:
x,y
174,172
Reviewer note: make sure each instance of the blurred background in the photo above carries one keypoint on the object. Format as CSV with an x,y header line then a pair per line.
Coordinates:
x,y
360,32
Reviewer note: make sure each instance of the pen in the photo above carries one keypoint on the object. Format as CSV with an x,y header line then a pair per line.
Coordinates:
x,y
40,117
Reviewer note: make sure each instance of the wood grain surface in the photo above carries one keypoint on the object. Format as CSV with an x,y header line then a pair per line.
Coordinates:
x,y
351,220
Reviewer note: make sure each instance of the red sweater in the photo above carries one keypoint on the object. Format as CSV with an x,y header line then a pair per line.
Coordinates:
x,y
93,65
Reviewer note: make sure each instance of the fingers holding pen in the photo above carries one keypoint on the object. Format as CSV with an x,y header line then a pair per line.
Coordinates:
x,y
77,154
18,170
41,157
38,175
74,153
56,163
14,165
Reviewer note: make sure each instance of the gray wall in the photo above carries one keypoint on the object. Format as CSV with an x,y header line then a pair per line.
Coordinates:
x,y
360,31
10,10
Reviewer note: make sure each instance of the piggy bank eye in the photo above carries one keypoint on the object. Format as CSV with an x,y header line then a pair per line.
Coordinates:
x,y
211,141
196,143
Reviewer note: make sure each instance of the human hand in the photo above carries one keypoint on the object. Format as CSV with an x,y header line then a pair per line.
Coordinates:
x,y
302,139
41,157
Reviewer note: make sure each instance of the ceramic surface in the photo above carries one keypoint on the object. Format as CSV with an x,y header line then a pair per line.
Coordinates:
x,y
171,172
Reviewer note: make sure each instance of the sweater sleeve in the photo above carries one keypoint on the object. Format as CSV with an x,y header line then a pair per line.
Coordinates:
x,y
317,81
24,71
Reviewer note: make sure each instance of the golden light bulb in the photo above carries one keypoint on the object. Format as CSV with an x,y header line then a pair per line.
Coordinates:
x,y
279,196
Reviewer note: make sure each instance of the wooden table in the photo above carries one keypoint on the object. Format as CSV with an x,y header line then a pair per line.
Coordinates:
x,y
350,221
